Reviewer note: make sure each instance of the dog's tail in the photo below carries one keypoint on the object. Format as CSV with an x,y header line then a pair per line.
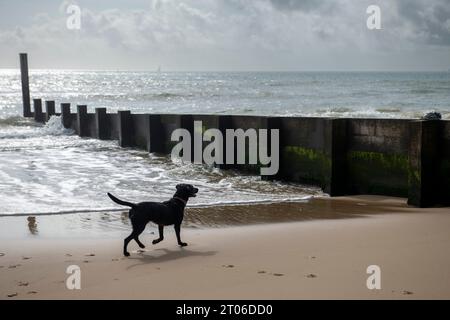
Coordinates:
x,y
121,202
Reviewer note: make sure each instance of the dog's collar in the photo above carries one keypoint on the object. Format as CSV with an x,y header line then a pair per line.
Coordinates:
x,y
182,200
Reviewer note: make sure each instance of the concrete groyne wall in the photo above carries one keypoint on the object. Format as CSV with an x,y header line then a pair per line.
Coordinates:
x,y
345,156
394,157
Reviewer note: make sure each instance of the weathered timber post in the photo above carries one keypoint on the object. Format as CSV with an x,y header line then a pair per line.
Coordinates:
x,y
100,124
38,115
336,150
224,123
423,163
155,142
187,122
271,123
66,119
81,121
25,85
49,109
125,128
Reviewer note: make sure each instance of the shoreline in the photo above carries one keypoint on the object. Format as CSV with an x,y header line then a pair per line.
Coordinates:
x,y
116,223
314,258
188,206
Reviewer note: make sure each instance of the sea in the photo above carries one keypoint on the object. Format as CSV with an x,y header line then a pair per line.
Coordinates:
x,y
46,169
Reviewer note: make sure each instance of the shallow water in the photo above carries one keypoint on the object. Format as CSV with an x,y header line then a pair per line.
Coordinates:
x,y
117,224
49,170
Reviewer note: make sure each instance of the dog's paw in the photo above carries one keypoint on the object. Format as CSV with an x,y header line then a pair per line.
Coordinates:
x,y
141,246
156,241
183,244
126,254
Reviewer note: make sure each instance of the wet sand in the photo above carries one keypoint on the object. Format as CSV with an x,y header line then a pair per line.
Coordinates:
x,y
322,253
116,224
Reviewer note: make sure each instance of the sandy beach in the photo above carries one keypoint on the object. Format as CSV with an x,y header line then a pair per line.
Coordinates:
x,y
315,258
302,148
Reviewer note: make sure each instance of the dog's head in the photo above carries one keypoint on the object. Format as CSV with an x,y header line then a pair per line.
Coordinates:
x,y
186,190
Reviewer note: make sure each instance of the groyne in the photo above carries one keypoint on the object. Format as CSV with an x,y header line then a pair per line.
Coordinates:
x,y
344,156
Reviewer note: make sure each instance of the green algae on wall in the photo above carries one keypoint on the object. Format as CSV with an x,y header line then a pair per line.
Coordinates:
x,y
379,173
306,165
386,161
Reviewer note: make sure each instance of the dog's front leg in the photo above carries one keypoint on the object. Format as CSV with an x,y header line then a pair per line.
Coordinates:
x,y
177,231
161,234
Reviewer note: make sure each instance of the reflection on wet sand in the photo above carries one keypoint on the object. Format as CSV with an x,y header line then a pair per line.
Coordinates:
x,y
314,209
32,225
110,223
124,218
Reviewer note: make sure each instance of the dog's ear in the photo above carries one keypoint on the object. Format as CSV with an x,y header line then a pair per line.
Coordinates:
x,y
178,186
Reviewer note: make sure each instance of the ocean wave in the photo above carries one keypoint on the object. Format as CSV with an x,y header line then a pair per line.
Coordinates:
x,y
17,121
135,96
422,91
20,128
388,110
166,95
54,127
173,95
368,112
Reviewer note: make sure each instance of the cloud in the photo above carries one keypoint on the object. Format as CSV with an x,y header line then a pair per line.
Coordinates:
x,y
429,19
304,5
237,34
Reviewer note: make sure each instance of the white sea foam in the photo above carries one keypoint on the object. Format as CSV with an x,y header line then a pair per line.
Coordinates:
x,y
55,127
48,171
17,128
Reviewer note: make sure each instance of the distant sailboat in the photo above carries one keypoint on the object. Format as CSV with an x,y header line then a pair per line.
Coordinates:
x,y
159,69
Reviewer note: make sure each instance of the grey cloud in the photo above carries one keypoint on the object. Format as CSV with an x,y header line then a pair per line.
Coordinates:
x,y
240,34
429,19
303,5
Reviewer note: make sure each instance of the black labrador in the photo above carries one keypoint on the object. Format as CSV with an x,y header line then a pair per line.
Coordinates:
x,y
165,213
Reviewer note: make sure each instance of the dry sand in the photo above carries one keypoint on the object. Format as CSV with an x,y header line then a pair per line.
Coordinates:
x,y
324,258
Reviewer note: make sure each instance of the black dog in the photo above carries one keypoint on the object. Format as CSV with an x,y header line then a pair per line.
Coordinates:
x,y
162,213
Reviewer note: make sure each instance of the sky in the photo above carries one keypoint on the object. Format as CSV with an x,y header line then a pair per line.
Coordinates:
x,y
227,35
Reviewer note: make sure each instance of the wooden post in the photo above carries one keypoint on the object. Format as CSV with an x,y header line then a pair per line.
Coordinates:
x,y
100,124
81,122
336,149
65,115
125,128
50,109
271,123
224,123
424,163
186,121
25,85
38,115
156,138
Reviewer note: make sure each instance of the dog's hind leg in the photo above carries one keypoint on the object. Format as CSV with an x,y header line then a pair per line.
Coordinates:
x,y
177,231
134,235
125,244
140,244
137,232
161,234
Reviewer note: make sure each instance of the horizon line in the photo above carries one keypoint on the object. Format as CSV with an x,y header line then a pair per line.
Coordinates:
x,y
230,71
